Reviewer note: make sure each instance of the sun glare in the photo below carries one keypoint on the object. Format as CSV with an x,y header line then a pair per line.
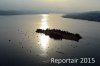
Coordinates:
x,y
44,21
44,40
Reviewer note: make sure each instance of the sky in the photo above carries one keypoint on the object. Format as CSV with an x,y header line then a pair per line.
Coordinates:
x,y
51,5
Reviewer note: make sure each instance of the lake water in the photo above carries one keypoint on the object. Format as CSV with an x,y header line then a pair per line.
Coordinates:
x,y
20,45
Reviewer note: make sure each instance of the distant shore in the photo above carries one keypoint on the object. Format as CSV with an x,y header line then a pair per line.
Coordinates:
x,y
90,16
19,12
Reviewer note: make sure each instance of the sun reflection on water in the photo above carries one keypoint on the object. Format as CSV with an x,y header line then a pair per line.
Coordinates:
x,y
44,40
44,21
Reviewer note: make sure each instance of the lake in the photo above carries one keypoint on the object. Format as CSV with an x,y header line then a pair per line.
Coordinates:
x,y
20,45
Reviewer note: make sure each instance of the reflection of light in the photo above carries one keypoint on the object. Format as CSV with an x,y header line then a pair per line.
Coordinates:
x,y
44,40
44,21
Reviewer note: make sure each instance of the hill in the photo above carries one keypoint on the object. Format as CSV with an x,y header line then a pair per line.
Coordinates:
x,y
90,16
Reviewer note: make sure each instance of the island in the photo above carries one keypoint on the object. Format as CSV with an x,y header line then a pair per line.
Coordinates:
x,y
58,34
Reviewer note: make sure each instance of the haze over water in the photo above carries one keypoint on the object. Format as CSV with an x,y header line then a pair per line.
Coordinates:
x,y
51,6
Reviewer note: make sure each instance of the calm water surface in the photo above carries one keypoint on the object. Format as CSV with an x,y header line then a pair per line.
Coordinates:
x,y
20,45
